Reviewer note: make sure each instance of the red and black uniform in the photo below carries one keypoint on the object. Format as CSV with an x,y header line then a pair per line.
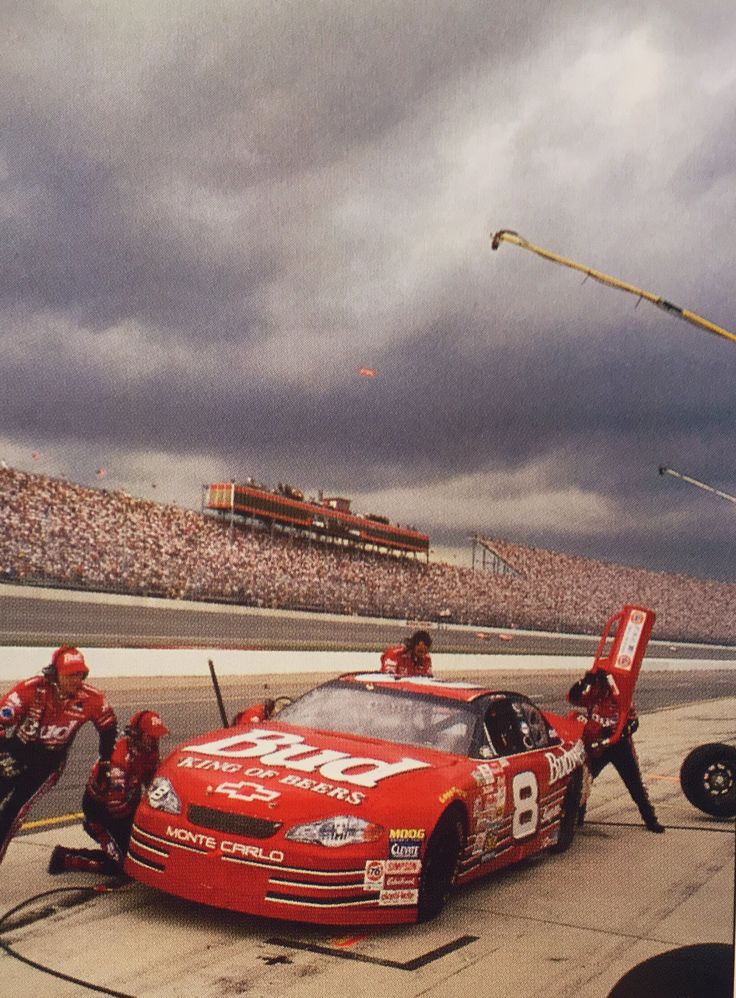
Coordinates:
x,y
401,661
595,694
37,728
112,796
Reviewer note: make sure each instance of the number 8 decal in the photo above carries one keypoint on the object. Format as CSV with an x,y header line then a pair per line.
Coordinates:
x,y
525,790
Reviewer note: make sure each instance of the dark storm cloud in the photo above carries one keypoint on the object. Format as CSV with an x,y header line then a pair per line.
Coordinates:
x,y
211,217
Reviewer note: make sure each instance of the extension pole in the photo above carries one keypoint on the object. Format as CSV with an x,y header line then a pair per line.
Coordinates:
x,y
506,235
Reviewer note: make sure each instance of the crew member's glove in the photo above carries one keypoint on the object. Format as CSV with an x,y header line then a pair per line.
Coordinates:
x,y
9,767
631,725
102,777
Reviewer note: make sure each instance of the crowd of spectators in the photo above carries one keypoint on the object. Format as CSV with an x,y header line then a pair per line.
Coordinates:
x,y
54,532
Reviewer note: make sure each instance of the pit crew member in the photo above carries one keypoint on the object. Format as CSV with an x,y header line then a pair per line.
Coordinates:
x,y
411,658
597,695
111,797
39,719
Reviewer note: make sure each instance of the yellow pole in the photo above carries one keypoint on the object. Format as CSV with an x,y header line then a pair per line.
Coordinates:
x,y
506,235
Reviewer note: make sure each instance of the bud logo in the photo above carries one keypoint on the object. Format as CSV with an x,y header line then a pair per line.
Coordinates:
x,y
561,766
257,792
274,748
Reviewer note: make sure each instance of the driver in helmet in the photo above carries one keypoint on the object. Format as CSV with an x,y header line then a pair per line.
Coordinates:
x,y
39,720
111,798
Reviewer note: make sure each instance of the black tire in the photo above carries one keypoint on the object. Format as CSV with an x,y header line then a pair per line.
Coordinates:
x,y
704,970
708,779
570,812
439,865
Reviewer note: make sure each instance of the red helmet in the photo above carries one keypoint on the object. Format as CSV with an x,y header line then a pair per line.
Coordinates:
x,y
67,660
146,722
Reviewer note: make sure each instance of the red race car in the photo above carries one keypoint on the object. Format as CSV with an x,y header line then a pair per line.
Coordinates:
x,y
361,802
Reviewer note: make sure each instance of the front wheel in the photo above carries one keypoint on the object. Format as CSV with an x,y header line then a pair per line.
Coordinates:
x,y
708,779
439,865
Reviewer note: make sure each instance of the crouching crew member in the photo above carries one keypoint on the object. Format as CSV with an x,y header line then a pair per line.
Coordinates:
x,y
39,719
111,797
411,658
596,693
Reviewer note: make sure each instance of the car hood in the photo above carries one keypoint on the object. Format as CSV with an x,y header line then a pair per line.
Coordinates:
x,y
282,770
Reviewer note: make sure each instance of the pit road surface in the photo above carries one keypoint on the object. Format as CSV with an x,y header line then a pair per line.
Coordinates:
x,y
568,926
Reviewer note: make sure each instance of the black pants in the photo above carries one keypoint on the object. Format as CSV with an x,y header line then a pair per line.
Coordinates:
x,y
111,832
623,758
37,770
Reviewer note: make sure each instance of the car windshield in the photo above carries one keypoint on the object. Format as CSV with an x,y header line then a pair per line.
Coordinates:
x,y
389,715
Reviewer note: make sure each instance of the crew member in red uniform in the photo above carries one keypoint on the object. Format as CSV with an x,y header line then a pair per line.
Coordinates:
x,y
39,719
110,798
596,693
410,658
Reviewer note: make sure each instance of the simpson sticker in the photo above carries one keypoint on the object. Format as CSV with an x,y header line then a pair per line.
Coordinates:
x,y
403,866
273,748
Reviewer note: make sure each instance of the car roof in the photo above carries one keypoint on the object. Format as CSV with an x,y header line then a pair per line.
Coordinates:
x,y
445,689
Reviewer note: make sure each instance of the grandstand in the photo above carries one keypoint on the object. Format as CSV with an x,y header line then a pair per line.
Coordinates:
x,y
54,532
327,519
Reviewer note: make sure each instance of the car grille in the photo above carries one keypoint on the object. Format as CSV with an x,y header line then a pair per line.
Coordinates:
x,y
235,824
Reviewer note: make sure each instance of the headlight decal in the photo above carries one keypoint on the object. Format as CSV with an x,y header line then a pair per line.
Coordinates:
x,y
340,830
162,796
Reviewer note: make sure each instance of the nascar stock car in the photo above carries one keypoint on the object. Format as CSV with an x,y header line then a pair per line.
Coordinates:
x,y
361,802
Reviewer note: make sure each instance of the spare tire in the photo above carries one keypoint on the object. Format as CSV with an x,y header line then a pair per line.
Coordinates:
x,y
708,779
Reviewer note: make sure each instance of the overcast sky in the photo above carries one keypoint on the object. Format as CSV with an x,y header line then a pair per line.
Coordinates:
x,y
214,213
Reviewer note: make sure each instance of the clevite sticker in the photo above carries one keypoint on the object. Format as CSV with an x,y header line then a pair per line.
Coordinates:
x,y
405,843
